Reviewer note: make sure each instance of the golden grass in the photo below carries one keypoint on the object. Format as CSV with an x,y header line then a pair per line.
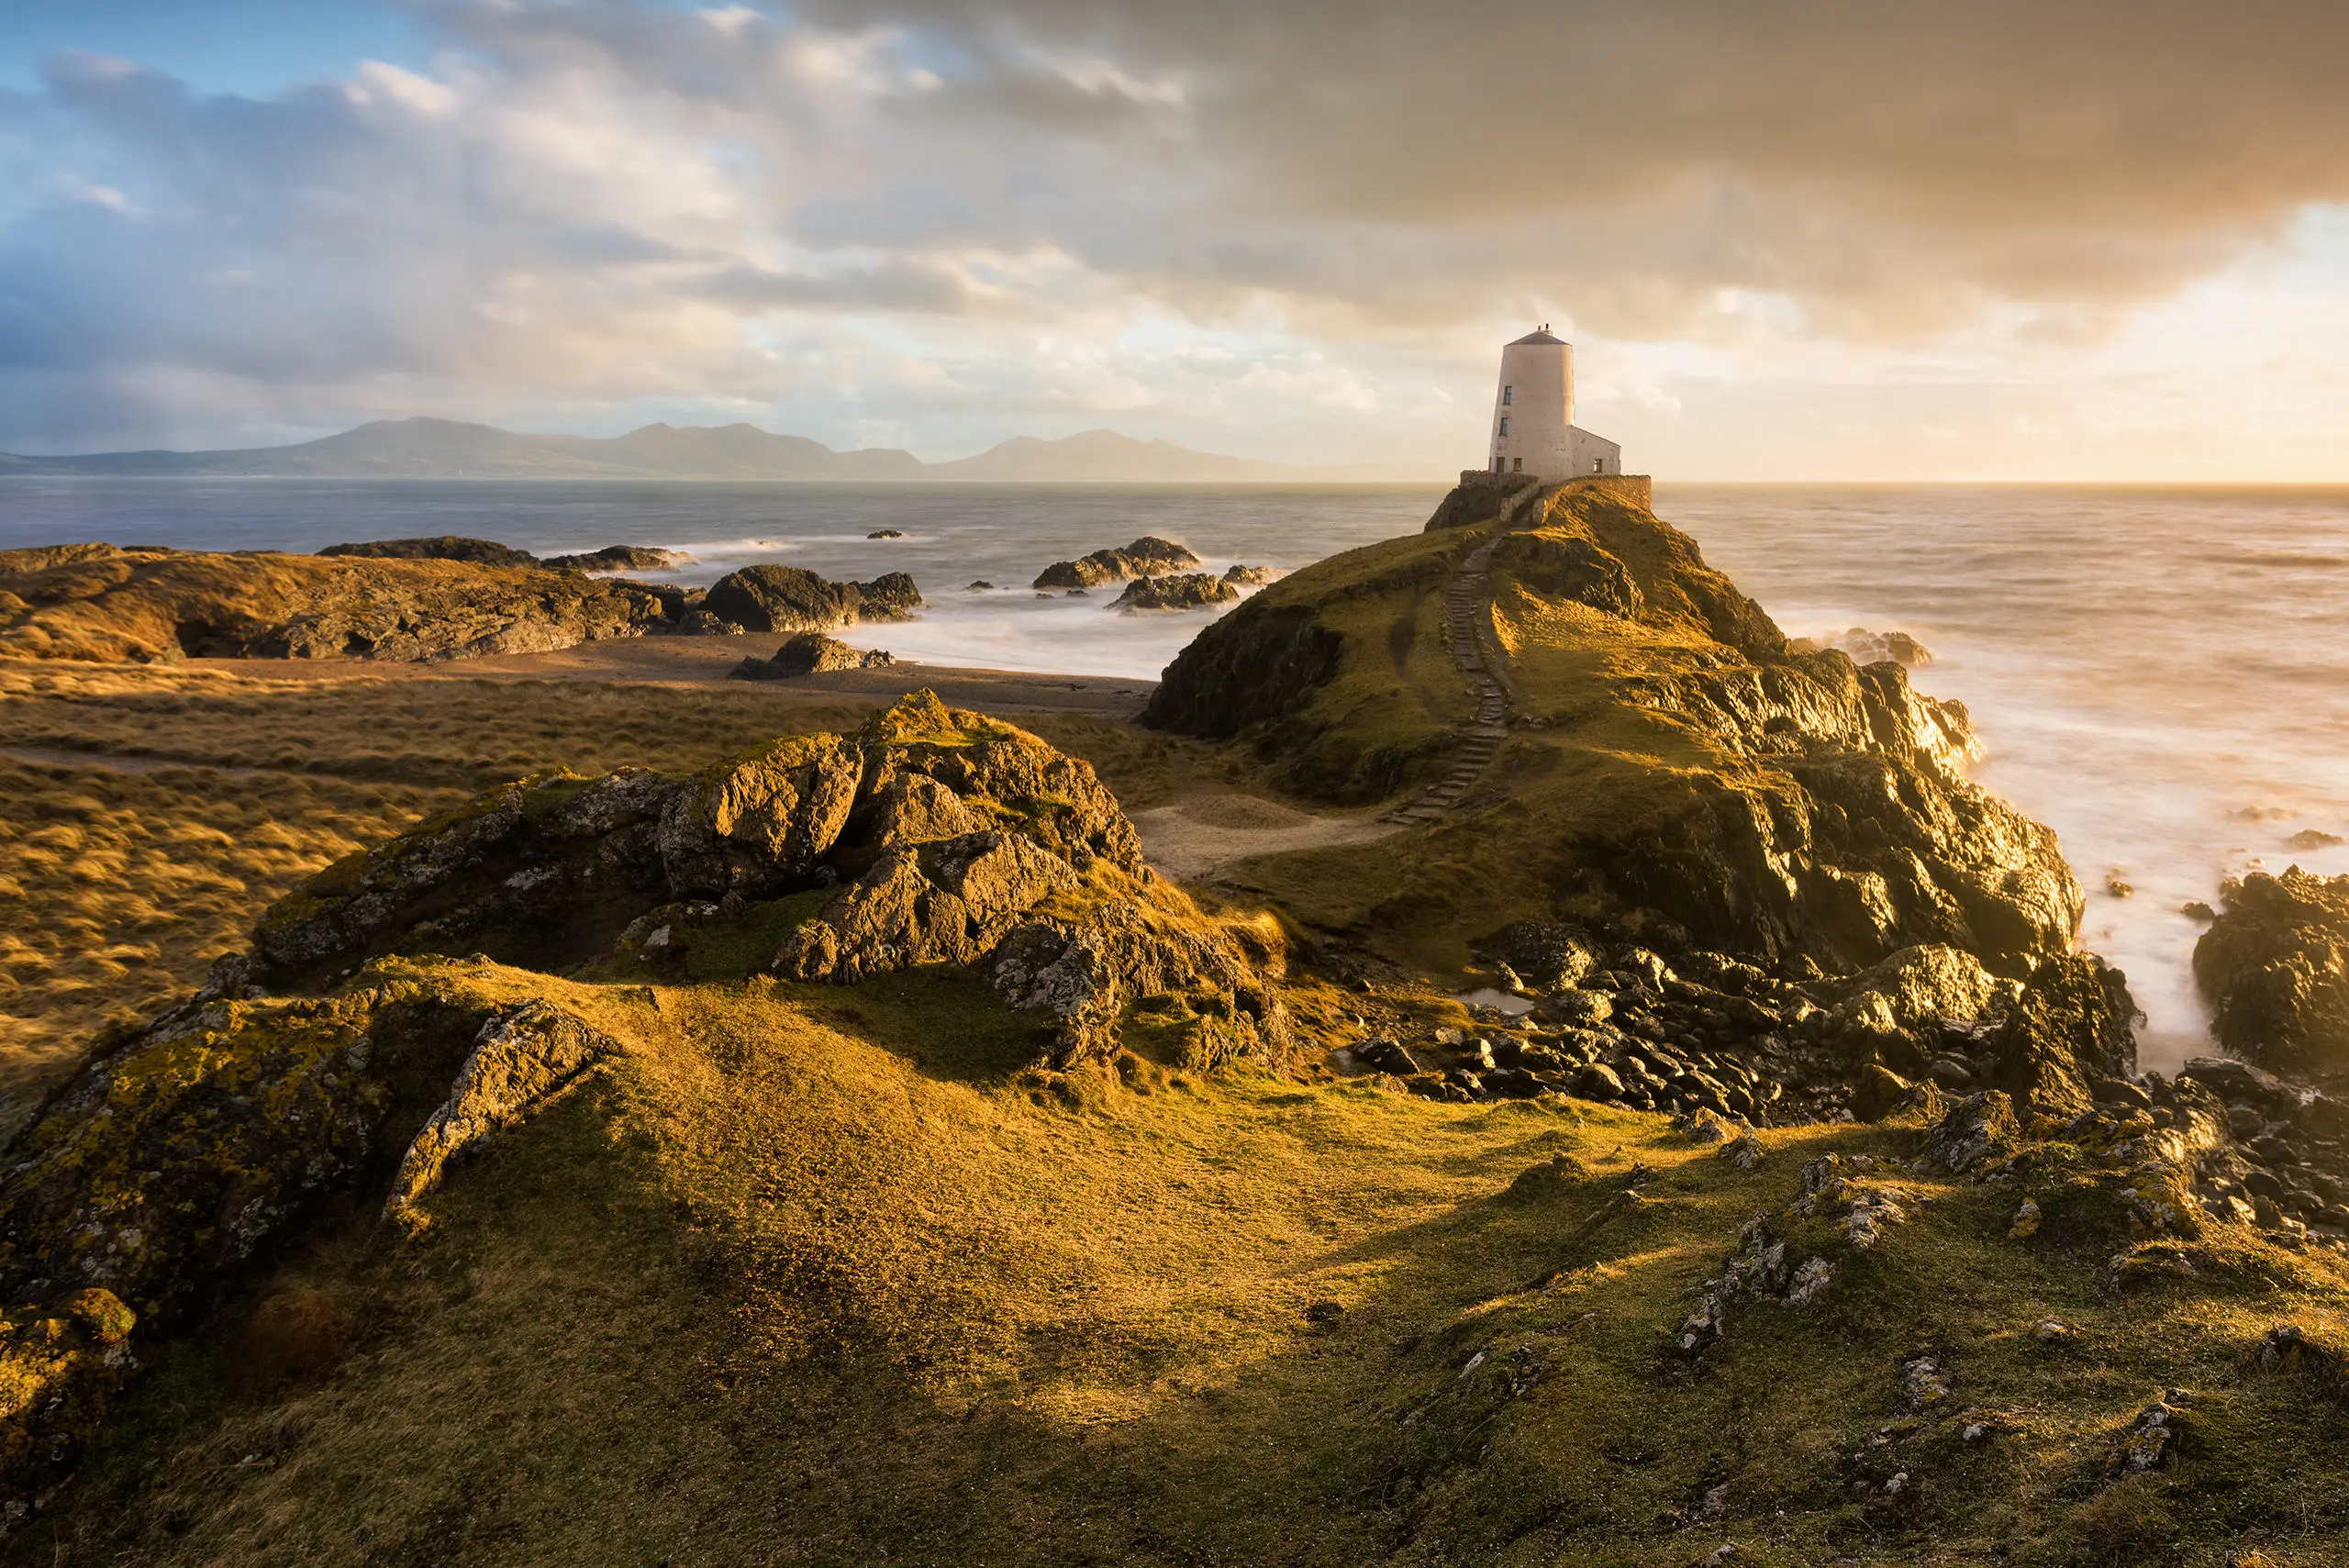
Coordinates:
x,y
814,1277
117,889
472,732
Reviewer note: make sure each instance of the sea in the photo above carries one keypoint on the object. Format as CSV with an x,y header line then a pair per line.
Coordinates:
x,y
2161,674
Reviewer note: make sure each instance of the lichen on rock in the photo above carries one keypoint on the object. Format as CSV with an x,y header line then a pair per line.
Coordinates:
x,y
519,1058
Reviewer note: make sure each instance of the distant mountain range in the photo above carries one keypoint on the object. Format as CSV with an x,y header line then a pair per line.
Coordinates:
x,y
446,449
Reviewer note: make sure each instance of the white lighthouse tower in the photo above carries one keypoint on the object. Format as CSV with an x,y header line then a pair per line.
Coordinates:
x,y
1533,414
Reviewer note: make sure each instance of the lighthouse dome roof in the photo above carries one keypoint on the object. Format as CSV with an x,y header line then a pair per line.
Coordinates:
x,y
1538,336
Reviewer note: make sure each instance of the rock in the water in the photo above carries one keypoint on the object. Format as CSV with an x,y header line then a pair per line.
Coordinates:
x,y
2276,966
980,586
1146,556
768,597
1190,591
444,547
809,653
1240,576
886,533
621,558
1866,647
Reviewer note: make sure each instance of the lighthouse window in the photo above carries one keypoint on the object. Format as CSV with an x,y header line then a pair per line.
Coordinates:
x,y
1506,391
1517,465
1504,424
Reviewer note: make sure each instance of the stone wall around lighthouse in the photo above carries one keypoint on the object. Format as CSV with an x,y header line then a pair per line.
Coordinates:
x,y
1533,413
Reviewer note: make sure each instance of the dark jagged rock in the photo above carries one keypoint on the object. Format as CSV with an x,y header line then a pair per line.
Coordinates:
x,y
1248,576
1188,591
2276,966
2074,1021
444,547
621,558
809,653
1146,556
144,605
767,598
886,533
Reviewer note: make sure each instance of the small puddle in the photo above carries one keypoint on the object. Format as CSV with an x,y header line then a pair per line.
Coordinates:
x,y
1508,1002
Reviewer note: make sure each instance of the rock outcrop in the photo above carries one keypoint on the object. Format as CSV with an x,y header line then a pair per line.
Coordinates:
x,y
621,558
558,865
809,653
2276,966
519,1060
1146,556
98,602
444,547
1184,591
789,598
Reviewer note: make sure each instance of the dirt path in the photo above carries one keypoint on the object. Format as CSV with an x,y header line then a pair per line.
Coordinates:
x,y
1193,840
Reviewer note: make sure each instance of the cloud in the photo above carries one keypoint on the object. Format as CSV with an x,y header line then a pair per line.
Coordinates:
x,y
1299,224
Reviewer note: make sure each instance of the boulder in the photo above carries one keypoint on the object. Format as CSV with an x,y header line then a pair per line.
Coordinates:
x,y
1083,972
809,653
1189,591
444,547
518,1059
768,597
1146,556
2275,964
1240,576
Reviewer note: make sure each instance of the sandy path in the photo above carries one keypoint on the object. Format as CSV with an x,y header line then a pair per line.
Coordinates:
x,y
1195,839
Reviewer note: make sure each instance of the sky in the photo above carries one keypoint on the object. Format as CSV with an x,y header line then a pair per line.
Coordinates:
x,y
1801,239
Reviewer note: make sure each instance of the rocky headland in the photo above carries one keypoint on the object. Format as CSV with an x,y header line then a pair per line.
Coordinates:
x,y
396,600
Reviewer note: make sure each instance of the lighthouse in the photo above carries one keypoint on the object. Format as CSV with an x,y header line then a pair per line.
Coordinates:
x,y
1533,414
